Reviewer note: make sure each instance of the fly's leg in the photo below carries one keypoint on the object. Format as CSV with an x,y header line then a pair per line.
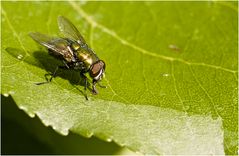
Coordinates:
x,y
65,65
85,82
48,80
53,74
94,91
101,85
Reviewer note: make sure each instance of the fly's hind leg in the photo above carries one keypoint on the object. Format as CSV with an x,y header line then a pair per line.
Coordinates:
x,y
53,74
46,77
85,84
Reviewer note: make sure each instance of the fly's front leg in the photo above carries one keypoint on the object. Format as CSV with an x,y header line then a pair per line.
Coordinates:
x,y
94,91
85,84
101,85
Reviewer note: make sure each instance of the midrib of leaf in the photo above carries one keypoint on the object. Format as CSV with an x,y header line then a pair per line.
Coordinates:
x,y
112,33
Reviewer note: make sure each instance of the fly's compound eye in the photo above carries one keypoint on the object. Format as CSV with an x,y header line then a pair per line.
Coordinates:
x,y
97,70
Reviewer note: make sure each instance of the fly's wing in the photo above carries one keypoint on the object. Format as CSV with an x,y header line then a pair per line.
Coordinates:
x,y
58,46
69,30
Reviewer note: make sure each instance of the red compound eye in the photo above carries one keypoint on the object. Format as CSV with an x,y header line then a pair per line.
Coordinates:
x,y
97,69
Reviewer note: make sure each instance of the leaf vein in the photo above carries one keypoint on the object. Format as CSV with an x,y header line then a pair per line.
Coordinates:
x,y
176,89
49,17
13,30
115,92
205,91
19,41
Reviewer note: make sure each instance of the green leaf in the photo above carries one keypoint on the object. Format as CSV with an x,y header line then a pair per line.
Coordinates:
x,y
171,73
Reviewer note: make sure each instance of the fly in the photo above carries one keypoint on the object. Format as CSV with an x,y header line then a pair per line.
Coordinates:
x,y
74,53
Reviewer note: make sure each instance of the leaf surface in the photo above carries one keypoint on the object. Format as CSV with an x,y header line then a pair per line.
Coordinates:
x,y
171,73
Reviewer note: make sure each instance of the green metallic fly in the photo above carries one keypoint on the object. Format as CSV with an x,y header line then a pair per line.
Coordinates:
x,y
73,51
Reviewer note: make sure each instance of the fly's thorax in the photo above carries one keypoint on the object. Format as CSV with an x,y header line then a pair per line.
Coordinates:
x,y
86,57
75,46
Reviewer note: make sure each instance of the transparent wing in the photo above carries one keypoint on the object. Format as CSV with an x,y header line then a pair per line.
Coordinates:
x,y
69,30
58,46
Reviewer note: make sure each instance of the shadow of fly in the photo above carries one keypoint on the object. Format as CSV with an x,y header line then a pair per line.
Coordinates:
x,y
74,53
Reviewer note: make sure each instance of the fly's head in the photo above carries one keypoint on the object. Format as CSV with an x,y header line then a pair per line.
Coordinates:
x,y
97,70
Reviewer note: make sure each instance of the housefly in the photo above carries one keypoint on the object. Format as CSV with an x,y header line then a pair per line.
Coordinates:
x,y
73,51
